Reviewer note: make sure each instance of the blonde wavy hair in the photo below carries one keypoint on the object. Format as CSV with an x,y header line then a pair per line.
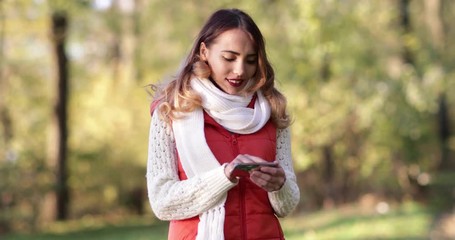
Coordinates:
x,y
178,96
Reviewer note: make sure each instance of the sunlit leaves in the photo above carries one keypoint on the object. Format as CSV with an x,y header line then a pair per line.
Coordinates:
x,y
338,62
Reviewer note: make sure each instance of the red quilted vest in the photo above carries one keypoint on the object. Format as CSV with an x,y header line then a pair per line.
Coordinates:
x,y
249,214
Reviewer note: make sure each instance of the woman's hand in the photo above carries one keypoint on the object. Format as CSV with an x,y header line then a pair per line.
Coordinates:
x,y
229,168
268,178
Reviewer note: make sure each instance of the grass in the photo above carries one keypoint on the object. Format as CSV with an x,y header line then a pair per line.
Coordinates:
x,y
408,221
95,229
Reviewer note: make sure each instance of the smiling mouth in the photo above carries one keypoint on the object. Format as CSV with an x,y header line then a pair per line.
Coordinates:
x,y
235,82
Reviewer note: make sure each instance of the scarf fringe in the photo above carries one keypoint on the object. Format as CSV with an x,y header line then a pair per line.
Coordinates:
x,y
211,223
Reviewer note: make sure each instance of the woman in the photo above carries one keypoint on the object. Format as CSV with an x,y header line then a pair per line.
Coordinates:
x,y
221,110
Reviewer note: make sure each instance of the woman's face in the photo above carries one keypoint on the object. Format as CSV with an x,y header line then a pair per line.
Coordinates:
x,y
233,60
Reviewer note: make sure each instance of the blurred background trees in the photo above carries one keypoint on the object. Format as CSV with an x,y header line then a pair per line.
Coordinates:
x,y
368,84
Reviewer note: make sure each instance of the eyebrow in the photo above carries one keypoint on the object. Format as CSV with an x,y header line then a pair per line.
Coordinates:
x,y
236,53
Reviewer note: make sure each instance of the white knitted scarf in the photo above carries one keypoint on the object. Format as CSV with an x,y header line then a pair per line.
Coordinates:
x,y
230,111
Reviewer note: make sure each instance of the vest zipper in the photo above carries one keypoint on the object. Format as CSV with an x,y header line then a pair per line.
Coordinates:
x,y
242,209
235,148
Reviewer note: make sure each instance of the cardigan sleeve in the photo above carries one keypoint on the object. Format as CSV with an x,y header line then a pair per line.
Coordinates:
x,y
285,200
170,197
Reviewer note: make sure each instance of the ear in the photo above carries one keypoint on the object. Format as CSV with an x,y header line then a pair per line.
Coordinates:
x,y
203,51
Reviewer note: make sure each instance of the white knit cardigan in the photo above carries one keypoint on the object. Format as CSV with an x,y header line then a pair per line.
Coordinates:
x,y
173,199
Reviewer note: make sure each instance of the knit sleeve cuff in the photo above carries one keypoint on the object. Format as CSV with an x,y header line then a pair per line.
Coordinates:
x,y
284,200
218,181
284,190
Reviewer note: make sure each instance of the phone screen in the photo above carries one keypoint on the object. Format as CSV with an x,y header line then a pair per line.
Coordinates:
x,y
246,167
242,169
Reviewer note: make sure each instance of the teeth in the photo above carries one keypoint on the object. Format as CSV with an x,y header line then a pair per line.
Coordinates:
x,y
235,81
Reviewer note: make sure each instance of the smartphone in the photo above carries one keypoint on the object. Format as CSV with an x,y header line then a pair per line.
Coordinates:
x,y
242,169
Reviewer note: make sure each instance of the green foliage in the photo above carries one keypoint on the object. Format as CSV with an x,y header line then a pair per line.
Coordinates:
x,y
356,104
24,183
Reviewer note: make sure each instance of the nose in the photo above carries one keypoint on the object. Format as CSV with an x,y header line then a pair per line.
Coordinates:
x,y
239,69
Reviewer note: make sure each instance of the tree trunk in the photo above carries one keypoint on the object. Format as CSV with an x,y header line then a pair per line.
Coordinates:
x,y
123,46
5,117
417,190
433,16
328,177
405,22
444,134
58,153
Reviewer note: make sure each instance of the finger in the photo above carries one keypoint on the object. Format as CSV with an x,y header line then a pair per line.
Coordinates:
x,y
262,179
274,171
266,185
266,181
260,182
255,158
243,158
228,169
261,176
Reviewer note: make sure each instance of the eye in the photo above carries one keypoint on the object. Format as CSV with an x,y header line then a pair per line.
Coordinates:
x,y
251,61
228,59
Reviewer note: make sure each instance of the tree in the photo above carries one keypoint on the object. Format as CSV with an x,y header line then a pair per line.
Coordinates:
x,y
5,119
59,144
438,33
